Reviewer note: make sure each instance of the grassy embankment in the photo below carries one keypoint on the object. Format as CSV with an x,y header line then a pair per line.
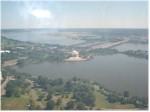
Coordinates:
x,y
15,103
102,103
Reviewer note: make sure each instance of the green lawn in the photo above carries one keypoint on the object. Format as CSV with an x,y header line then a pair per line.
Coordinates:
x,y
14,103
102,103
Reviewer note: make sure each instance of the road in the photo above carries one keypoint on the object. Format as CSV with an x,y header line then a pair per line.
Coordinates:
x,y
30,49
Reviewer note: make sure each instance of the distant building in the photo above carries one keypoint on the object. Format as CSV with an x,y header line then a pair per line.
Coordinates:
x,y
75,53
20,47
75,56
5,51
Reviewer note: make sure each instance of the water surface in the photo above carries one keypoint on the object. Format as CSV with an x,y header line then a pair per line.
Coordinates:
x,y
116,72
42,37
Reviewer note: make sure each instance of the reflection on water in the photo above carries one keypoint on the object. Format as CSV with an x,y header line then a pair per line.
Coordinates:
x,y
116,72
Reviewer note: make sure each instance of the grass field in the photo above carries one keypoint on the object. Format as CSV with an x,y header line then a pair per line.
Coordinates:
x,y
14,103
102,103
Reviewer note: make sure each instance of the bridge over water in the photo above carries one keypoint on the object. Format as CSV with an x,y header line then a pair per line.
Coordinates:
x,y
99,44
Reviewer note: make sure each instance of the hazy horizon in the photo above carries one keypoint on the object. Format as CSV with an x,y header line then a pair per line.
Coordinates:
x,y
67,28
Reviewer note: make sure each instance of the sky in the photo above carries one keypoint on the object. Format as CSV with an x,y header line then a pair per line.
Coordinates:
x,y
74,14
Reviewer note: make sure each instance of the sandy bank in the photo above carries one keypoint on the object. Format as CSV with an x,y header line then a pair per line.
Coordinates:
x,y
75,59
10,63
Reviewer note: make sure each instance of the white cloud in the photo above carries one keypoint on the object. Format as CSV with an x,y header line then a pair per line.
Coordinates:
x,y
40,13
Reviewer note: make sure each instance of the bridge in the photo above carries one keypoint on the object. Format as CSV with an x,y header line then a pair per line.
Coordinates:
x,y
99,44
113,44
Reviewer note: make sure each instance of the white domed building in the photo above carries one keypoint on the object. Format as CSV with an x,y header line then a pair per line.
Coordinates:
x,y
75,53
75,56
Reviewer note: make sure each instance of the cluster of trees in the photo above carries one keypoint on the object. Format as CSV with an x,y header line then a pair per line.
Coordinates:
x,y
141,103
70,105
15,88
7,56
81,106
51,104
56,82
6,42
14,54
50,85
18,86
42,81
37,55
12,46
51,55
73,105
32,105
57,55
84,53
113,97
137,53
69,86
83,93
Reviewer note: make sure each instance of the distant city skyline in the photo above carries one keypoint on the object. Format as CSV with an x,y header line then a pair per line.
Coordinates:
x,y
74,14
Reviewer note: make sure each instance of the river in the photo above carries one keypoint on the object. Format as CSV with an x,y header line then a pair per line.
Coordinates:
x,y
116,72
39,36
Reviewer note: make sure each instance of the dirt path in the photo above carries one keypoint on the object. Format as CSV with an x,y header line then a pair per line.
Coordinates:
x,y
30,49
35,95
